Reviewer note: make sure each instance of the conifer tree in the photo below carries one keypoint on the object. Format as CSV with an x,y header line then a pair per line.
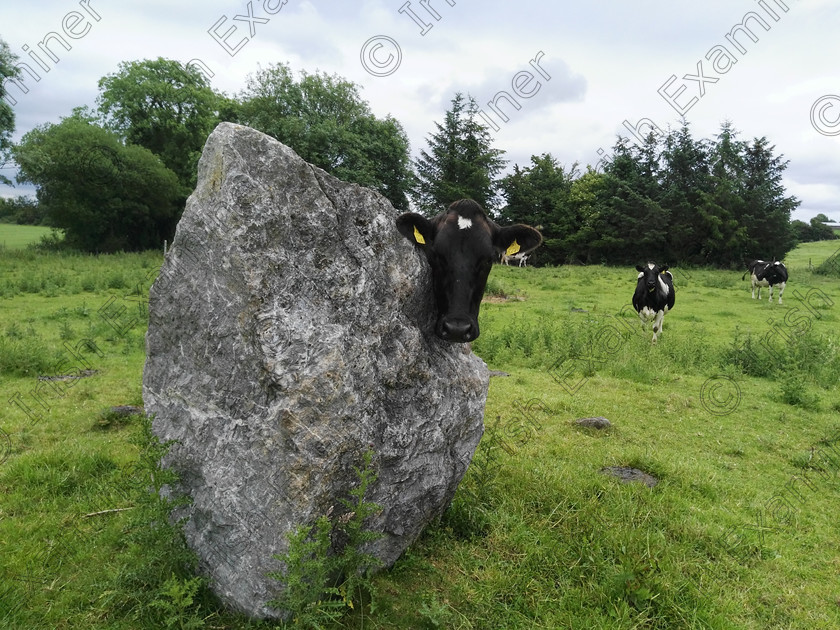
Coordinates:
x,y
460,163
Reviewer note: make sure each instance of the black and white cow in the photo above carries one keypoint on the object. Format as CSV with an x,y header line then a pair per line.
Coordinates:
x,y
767,274
461,245
521,258
654,295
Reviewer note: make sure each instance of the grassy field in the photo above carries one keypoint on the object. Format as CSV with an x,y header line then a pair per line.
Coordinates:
x,y
20,236
734,411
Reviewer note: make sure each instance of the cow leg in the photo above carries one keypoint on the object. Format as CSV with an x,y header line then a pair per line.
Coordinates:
x,y
657,324
781,290
645,319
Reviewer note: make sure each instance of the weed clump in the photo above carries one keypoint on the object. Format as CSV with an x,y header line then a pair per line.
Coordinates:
x,y
327,572
805,356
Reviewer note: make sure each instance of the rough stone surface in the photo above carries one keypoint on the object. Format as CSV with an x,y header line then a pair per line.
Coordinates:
x,y
598,422
290,331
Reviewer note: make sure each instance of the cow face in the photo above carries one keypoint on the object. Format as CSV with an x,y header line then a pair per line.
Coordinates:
x,y
650,273
461,245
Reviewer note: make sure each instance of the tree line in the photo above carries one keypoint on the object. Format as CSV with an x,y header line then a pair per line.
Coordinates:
x,y
116,177
675,199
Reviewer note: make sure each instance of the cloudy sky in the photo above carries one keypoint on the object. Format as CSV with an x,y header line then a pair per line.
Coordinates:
x,y
576,74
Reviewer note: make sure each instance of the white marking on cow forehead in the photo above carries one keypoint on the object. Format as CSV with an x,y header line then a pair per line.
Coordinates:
x,y
464,223
651,266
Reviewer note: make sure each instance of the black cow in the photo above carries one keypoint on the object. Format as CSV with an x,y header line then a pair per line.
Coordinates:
x,y
654,295
461,245
767,274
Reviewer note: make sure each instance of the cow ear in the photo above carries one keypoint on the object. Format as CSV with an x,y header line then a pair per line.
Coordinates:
x,y
663,269
516,239
639,268
416,228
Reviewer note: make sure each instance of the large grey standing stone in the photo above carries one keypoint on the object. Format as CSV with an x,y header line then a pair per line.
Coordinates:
x,y
290,331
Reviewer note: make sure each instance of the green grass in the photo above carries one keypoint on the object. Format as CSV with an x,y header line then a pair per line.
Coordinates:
x,y
20,236
734,410
810,255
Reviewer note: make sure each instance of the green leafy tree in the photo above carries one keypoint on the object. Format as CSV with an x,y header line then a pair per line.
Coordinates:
x,y
586,195
820,231
7,115
165,107
815,230
801,231
461,161
106,196
21,210
627,223
619,222
325,120
538,195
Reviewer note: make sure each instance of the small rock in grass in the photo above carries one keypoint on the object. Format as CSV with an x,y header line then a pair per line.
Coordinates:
x,y
627,474
126,410
598,422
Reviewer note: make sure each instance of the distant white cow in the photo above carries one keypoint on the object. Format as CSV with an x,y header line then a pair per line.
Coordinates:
x,y
522,258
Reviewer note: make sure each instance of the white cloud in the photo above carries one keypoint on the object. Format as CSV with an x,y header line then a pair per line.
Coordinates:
x,y
607,60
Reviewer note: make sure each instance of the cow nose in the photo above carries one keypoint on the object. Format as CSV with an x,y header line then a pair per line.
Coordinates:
x,y
457,330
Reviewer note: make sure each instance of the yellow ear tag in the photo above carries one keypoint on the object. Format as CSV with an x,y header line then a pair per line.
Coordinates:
x,y
514,247
419,237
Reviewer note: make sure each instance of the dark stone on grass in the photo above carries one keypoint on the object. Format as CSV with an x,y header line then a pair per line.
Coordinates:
x,y
627,475
117,417
290,331
598,422
126,410
69,377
